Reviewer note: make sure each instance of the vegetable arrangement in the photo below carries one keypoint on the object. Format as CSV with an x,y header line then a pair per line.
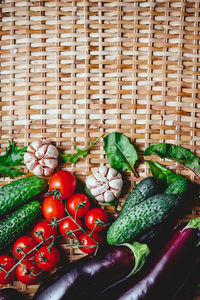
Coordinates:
x,y
170,267
89,275
114,251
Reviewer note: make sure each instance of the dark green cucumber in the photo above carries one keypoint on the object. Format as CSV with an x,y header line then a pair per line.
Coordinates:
x,y
145,189
18,192
12,227
178,187
141,218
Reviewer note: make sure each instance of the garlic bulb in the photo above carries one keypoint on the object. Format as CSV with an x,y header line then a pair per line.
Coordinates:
x,y
105,184
41,158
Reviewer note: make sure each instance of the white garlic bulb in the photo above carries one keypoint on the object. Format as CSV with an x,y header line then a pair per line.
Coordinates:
x,y
41,158
105,184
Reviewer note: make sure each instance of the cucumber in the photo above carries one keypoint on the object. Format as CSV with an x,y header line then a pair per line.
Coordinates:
x,y
18,192
145,189
12,227
141,218
178,187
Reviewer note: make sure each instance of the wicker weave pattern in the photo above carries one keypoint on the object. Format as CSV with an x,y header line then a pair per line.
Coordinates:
x,y
71,70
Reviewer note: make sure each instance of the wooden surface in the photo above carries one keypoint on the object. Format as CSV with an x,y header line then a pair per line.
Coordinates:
x,y
71,70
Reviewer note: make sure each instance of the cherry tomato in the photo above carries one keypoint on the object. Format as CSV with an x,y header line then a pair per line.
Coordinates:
x,y
47,257
53,208
78,205
94,217
89,246
6,262
43,230
28,272
69,229
23,245
65,182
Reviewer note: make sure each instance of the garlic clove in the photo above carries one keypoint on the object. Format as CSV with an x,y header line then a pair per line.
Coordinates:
x,y
31,164
36,144
91,182
111,173
28,157
103,170
100,197
30,149
116,193
99,189
47,171
108,196
99,177
116,183
52,151
41,151
38,170
50,163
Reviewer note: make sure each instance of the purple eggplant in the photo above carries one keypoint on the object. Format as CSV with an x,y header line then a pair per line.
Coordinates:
x,y
188,286
11,294
89,275
165,274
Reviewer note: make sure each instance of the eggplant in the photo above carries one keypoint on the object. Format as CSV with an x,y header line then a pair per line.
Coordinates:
x,y
166,272
11,294
190,283
87,276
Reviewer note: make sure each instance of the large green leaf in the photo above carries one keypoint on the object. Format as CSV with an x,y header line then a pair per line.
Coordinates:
x,y
162,173
176,153
120,153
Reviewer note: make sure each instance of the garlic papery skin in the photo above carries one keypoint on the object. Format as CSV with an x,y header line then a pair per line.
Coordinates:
x,y
41,158
105,184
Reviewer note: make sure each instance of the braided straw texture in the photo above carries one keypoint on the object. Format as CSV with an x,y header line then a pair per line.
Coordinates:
x,y
71,70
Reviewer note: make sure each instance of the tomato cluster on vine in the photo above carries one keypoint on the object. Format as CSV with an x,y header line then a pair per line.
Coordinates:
x,y
65,212
73,212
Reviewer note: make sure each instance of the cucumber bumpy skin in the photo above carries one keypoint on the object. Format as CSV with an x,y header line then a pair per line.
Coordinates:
x,y
141,218
145,189
12,227
19,192
178,187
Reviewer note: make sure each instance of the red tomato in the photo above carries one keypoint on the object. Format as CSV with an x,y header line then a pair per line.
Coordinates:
x,y
89,246
64,181
6,262
69,229
47,258
53,208
78,205
28,272
23,245
43,230
96,216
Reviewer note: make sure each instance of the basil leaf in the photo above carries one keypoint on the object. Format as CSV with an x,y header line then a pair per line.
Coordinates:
x,y
79,153
176,153
162,173
120,153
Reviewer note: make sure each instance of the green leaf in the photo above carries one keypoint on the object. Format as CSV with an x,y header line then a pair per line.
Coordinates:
x,y
162,173
79,153
176,153
120,153
12,158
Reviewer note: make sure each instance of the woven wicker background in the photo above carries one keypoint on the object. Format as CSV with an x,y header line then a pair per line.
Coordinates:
x,y
71,70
